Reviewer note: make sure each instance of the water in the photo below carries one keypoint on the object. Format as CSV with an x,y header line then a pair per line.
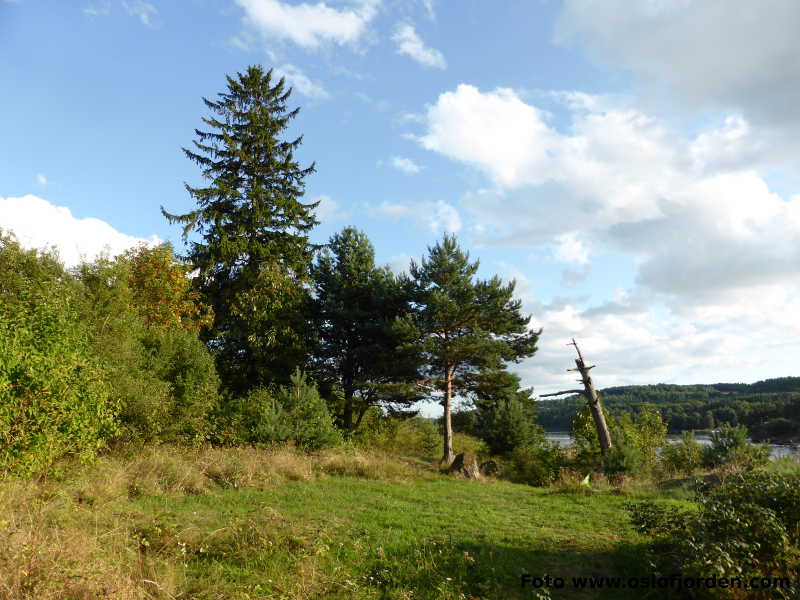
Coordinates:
x,y
563,438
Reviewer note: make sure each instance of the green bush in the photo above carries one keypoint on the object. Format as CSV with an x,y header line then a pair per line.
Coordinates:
x,y
536,464
463,442
683,457
636,444
293,414
309,420
508,425
395,434
747,526
162,377
731,449
54,400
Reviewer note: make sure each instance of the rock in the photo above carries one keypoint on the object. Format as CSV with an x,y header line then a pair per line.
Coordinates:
x,y
490,469
466,466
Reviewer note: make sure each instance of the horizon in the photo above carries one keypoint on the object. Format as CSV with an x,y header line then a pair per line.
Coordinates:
x,y
645,208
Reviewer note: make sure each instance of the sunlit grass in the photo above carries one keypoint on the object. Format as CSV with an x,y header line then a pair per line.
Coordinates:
x,y
247,523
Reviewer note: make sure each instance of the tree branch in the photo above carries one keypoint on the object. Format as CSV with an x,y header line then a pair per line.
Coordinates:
x,y
581,392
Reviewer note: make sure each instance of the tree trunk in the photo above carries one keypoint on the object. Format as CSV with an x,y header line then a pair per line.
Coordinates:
x,y
603,434
448,457
347,414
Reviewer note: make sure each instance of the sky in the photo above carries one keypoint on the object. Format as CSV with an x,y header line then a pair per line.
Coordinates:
x,y
632,165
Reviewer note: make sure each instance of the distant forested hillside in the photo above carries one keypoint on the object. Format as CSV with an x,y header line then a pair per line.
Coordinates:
x,y
770,409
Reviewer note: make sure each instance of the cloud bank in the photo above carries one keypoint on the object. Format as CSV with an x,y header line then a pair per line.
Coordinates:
x,y
36,223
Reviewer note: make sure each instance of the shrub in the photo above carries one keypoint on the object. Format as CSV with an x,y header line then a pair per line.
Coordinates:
x,y
683,457
53,398
730,449
747,526
396,434
536,464
161,375
624,458
295,414
508,425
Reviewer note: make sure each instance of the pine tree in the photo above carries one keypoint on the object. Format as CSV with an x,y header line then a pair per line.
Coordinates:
x,y
356,305
463,327
253,253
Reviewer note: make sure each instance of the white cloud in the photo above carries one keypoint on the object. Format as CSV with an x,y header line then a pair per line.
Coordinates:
x,y
568,248
328,209
406,165
627,182
436,216
97,11
737,55
309,25
714,249
429,9
300,82
38,224
41,179
513,139
144,11
409,43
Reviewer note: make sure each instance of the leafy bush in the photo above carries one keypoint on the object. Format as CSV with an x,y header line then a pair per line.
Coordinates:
x,y
291,414
463,442
508,425
747,526
311,425
683,457
53,398
395,434
731,449
635,443
624,457
161,375
535,464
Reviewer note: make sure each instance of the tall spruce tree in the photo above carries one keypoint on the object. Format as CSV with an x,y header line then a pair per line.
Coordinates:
x,y
462,327
356,305
253,253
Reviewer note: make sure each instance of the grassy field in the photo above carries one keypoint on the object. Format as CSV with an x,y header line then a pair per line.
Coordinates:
x,y
245,524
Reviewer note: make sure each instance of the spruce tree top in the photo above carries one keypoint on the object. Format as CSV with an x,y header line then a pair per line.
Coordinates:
x,y
250,213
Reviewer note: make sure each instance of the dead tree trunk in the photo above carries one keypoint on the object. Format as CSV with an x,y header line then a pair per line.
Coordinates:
x,y
448,456
592,400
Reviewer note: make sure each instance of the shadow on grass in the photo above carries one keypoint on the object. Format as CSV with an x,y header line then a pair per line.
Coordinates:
x,y
439,570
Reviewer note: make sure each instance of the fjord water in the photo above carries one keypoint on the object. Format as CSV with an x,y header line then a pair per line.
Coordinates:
x,y
563,438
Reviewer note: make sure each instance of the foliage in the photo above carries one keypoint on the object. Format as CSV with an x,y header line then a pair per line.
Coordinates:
x,y
460,327
253,254
294,413
161,375
769,409
355,306
682,457
636,443
730,448
536,464
469,444
504,412
397,433
162,290
310,422
747,526
54,400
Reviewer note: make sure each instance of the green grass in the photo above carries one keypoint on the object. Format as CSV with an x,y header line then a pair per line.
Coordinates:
x,y
416,536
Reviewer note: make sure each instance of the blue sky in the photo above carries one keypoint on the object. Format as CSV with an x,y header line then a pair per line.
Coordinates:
x,y
632,164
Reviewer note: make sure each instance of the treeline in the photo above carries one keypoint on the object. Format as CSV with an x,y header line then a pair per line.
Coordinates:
x,y
254,335
770,409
